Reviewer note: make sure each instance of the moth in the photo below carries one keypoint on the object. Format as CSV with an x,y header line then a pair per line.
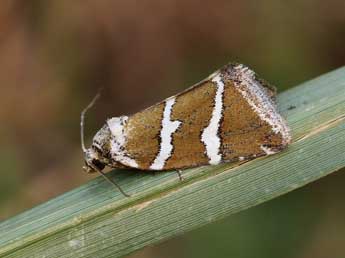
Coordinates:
x,y
229,116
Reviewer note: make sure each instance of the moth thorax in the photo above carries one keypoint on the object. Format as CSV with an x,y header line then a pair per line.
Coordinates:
x,y
101,141
118,140
109,145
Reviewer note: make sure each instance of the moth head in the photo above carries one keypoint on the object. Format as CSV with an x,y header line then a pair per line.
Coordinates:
x,y
92,161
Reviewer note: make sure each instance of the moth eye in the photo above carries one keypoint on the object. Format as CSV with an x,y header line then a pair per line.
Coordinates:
x,y
98,164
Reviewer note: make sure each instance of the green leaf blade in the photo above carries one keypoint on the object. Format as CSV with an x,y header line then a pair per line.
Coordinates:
x,y
96,221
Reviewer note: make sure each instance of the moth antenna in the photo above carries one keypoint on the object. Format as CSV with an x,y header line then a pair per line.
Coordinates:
x,y
82,120
111,181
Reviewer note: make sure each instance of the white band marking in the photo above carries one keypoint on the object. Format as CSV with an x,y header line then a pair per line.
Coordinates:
x,y
210,134
168,128
118,141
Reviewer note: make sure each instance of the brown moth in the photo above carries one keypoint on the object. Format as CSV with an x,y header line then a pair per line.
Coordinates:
x,y
229,116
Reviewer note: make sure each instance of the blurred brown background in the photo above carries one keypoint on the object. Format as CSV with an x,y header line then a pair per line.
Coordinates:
x,y
54,55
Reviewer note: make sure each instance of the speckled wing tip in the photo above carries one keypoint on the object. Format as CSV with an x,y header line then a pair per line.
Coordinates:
x,y
251,88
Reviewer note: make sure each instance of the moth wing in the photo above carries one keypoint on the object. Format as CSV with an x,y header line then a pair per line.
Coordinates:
x,y
206,125
245,134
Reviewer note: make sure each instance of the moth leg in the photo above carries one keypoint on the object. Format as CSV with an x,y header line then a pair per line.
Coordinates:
x,y
110,180
179,173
